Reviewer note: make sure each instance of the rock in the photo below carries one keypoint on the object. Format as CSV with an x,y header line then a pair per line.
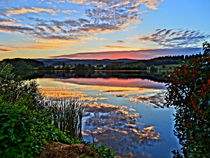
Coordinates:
x,y
60,150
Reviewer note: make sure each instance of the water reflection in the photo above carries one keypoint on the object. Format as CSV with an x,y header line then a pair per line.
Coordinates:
x,y
157,100
118,113
118,128
102,74
116,82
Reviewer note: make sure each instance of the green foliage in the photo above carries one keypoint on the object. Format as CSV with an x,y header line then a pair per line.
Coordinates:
x,y
189,93
24,67
16,91
82,69
6,71
104,151
126,66
24,122
153,69
24,126
21,64
24,132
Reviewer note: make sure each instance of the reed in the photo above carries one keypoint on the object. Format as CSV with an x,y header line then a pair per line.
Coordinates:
x,y
66,114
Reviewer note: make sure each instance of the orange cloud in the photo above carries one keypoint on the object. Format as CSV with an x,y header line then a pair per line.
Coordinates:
x,y
152,4
5,49
44,44
121,47
41,46
15,11
8,21
13,48
132,54
68,11
100,17
110,55
119,4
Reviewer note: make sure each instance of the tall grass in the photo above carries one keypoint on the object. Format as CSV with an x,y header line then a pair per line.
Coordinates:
x,y
66,114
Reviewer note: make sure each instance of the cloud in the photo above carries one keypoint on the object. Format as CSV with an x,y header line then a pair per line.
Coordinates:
x,y
69,22
16,11
70,29
120,42
98,16
174,38
7,21
16,29
152,4
119,47
25,47
39,45
133,54
4,50
67,11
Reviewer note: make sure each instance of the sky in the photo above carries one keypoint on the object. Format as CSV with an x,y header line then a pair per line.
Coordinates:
x,y
102,29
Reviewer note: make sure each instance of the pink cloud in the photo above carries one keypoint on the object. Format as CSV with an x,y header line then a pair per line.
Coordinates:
x,y
137,54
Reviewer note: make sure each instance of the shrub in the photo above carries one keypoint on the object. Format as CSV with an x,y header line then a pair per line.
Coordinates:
x,y
189,93
24,132
25,123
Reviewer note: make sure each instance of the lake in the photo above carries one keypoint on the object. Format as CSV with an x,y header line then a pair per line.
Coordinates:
x,y
126,114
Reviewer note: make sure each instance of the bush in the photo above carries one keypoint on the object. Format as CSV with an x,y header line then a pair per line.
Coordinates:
x,y
24,132
25,123
153,69
189,93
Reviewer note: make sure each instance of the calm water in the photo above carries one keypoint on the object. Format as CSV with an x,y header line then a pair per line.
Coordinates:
x,y
125,114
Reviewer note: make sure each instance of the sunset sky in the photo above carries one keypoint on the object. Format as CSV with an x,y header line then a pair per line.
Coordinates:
x,y
101,29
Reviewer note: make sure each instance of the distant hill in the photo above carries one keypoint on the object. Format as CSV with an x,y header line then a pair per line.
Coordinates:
x,y
24,66
114,63
54,62
31,63
118,64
